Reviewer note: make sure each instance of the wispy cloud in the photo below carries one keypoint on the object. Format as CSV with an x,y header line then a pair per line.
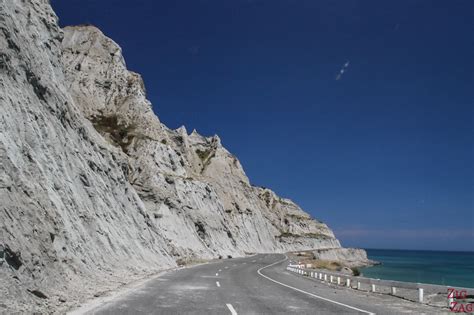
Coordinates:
x,y
343,69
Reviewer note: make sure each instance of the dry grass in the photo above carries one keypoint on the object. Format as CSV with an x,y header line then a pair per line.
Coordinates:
x,y
307,257
324,264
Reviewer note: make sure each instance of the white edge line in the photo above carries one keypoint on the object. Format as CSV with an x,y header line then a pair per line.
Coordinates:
x,y
231,309
218,284
310,294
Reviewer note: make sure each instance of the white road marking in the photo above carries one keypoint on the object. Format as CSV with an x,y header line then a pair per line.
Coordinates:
x,y
220,269
226,267
310,294
218,284
217,274
231,309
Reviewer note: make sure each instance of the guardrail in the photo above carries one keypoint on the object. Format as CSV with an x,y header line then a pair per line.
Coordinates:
x,y
383,286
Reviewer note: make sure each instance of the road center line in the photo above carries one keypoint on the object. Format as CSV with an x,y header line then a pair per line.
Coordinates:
x,y
218,284
310,294
231,309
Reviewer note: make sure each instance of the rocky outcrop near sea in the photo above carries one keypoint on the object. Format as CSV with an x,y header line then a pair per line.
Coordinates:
x,y
95,190
350,257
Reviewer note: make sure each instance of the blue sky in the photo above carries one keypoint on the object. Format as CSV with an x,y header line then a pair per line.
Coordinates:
x,y
383,153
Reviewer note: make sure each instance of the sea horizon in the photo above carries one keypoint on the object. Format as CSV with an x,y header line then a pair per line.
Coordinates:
x,y
450,268
421,250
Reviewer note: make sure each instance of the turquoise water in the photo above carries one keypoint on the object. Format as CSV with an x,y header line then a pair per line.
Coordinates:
x,y
437,267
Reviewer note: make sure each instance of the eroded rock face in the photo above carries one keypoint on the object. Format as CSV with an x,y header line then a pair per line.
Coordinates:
x,y
184,180
95,190
351,257
67,207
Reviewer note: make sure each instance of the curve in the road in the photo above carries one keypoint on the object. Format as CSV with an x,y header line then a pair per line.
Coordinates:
x,y
305,292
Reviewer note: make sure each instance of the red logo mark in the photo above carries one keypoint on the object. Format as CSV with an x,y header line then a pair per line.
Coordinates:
x,y
459,306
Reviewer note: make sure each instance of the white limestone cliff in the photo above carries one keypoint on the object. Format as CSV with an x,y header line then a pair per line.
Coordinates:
x,y
95,191
185,180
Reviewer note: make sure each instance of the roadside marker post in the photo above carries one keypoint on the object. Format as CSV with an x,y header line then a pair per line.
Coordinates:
x,y
420,295
370,285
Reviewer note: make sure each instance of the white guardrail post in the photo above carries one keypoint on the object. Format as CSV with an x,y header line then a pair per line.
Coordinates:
x,y
393,286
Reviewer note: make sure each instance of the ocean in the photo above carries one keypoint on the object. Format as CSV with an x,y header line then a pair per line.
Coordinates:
x,y
436,267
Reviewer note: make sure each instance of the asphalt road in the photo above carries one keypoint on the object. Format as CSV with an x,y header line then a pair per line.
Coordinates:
x,y
253,285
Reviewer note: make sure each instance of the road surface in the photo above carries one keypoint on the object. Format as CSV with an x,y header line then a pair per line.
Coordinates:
x,y
253,285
